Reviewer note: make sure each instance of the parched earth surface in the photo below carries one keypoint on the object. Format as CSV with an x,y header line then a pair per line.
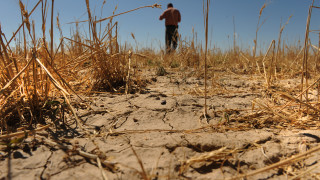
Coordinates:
x,y
162,133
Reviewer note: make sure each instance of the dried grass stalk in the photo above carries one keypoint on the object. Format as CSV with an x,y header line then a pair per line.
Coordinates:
x,y
288,161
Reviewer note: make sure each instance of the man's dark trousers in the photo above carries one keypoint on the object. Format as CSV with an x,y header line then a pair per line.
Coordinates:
x,y
171,37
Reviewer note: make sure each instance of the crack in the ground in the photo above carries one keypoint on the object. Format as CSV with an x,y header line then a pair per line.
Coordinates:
x,y
117,119
132,105
31,168
69,167
148,146
197,147
120,151
171,110
46,165
115,125
264,140
181,144
164,121
94,113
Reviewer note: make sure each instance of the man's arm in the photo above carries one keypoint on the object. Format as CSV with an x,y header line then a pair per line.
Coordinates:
x,y
179,16
162,16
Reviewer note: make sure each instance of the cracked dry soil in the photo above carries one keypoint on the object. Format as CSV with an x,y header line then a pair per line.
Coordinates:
x,y
165,127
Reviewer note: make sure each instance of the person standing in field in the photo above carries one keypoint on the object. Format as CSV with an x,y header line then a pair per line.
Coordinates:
x,y
172,17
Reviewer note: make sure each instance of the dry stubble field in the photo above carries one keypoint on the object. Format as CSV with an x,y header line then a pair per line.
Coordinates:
x,y
91,108
161,133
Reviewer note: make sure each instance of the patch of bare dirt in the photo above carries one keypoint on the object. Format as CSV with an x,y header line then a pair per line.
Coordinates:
x,y
163,134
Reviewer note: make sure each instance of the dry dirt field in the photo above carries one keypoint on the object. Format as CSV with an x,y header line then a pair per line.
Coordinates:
x,y
161,133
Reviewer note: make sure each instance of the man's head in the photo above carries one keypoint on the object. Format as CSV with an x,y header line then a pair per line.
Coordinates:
x,y
170,5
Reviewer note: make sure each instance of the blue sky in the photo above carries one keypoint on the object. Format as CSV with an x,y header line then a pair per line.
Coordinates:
x,y
148,30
